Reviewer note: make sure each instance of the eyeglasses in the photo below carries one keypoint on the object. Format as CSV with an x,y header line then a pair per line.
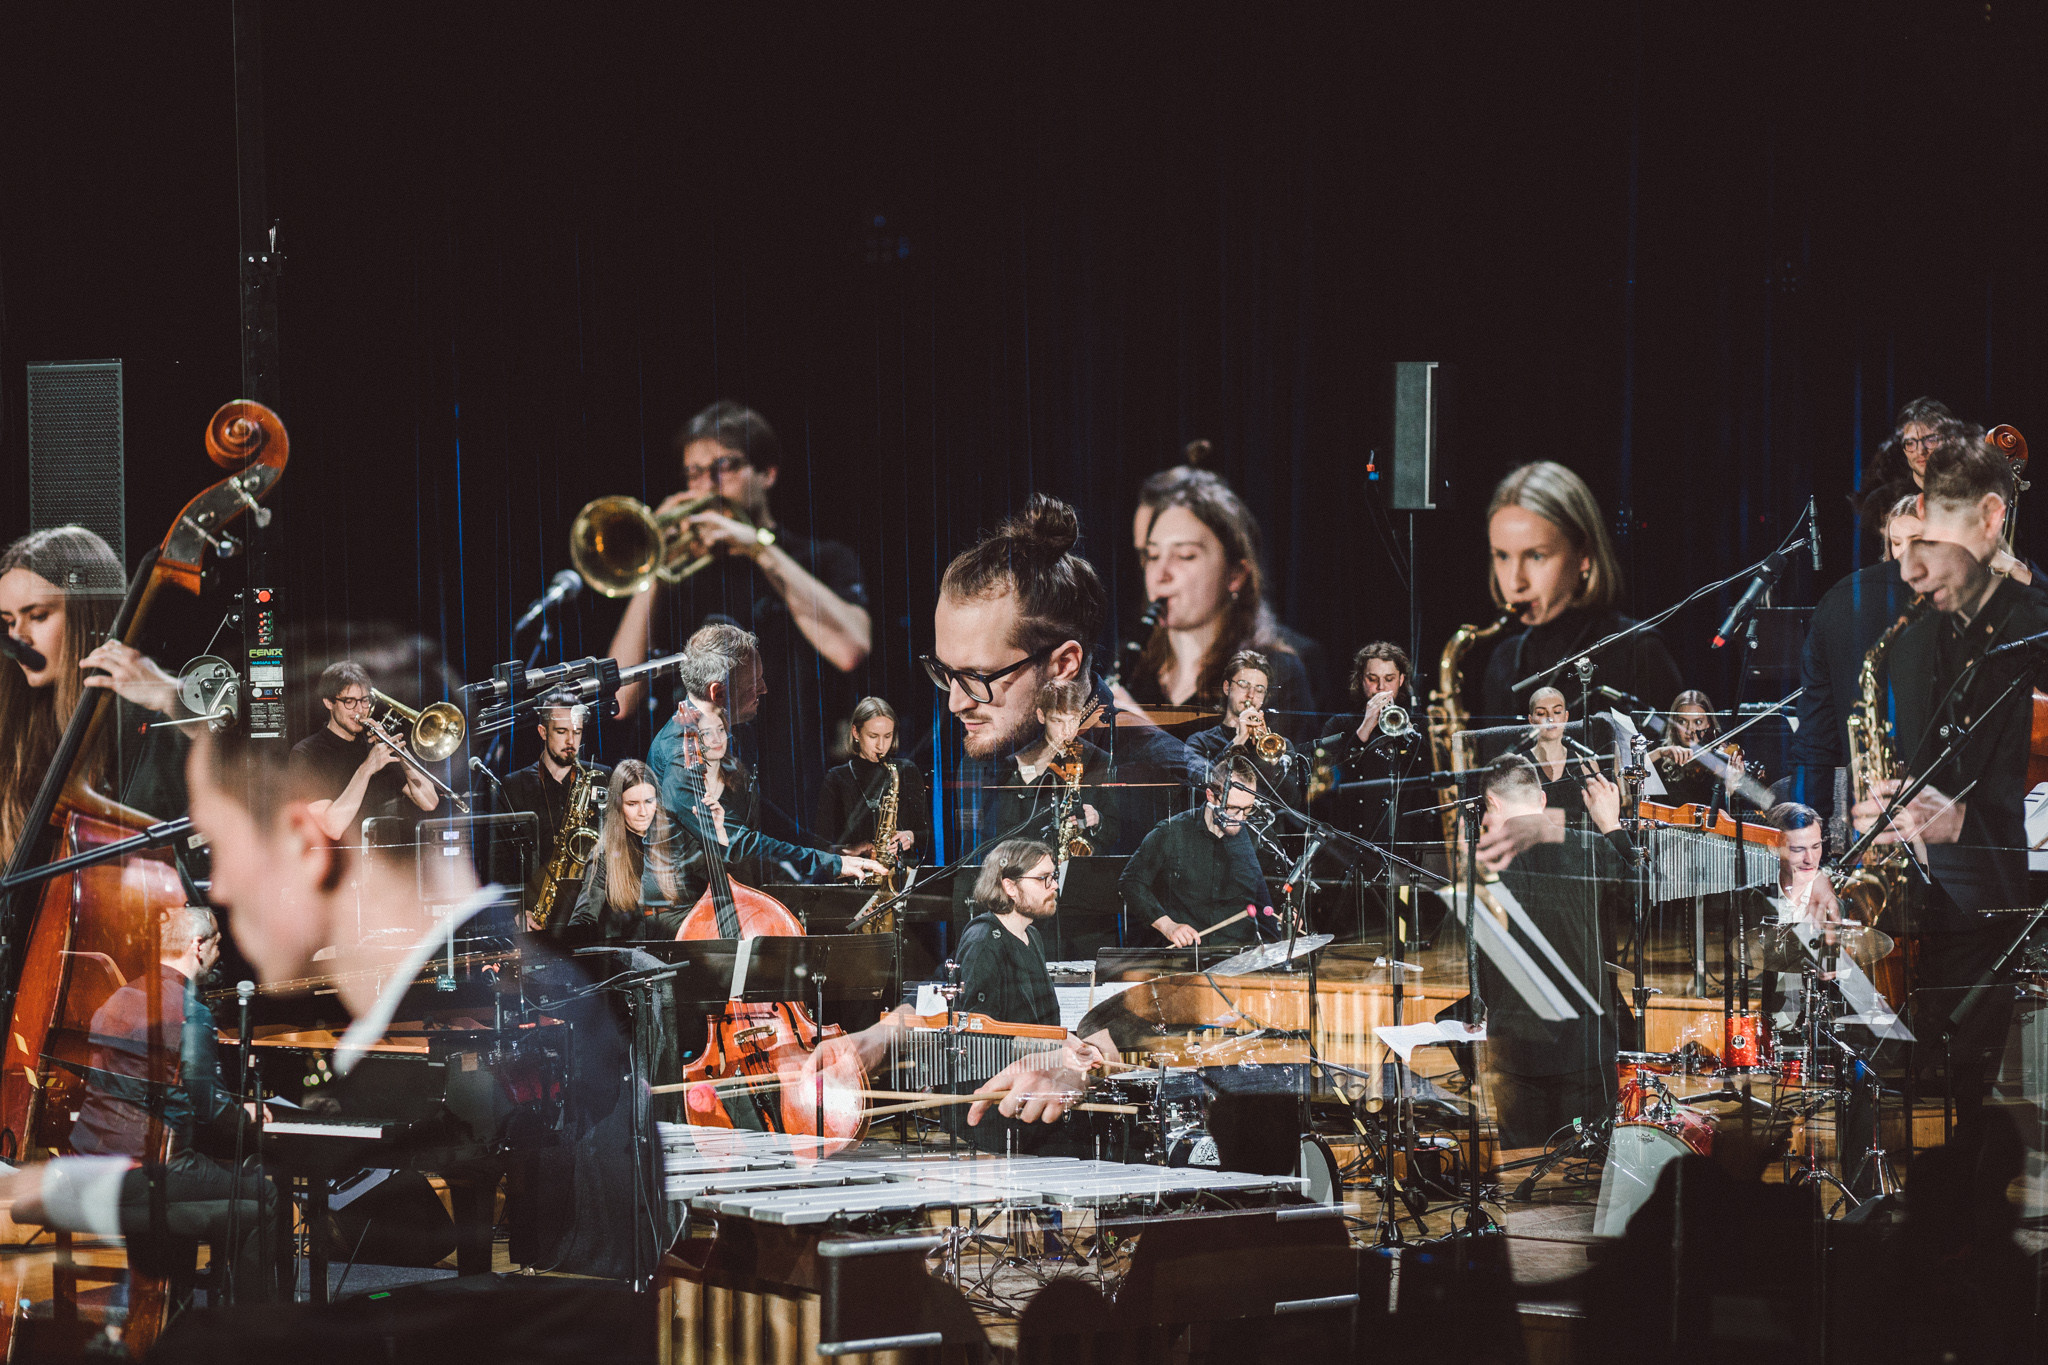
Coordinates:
x,y
352,703
711,473
978,686
1246,688
1918,442
1049,878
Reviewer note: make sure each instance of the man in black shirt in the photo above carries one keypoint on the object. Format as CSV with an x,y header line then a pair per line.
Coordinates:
x,y
545,786
802,598
1246,679
854,791
362,777
1002,957
1543,1072
1200,868
1941,674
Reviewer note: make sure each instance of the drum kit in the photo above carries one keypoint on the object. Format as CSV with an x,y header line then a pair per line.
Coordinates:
x,y
1804,1069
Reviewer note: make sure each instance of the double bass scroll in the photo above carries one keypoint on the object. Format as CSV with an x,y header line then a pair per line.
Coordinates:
x,y
111,911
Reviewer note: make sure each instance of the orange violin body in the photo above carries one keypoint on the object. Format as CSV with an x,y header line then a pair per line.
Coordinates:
x,y
751,1049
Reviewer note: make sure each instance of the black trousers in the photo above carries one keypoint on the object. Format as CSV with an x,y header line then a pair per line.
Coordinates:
x,y
202,1197
1959,1009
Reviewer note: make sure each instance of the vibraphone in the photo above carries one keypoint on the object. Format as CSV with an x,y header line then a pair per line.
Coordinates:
x,y
974,1047
784,1259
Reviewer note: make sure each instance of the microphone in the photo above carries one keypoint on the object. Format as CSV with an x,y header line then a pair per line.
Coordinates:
x,y
1294,873
2013,646
477,765
245,991
27,656
1813,531
563,587
1759,587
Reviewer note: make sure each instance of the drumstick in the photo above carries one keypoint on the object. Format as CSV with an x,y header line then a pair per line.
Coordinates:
x,y
990,1097
1204,933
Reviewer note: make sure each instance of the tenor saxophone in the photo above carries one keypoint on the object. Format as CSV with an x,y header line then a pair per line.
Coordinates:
x,y
885,854
1879,882
1446,722
1072,843
574,844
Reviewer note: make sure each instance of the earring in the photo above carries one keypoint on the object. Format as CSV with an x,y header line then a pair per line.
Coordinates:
x,y
1233,594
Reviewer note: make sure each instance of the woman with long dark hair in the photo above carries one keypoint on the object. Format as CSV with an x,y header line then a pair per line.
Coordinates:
x,y
631,889
1201,557
60,589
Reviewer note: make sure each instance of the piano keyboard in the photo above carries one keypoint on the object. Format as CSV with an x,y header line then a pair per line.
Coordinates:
x,y
324,1126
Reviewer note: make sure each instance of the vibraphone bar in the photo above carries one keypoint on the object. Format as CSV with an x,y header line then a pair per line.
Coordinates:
x,y
783,1259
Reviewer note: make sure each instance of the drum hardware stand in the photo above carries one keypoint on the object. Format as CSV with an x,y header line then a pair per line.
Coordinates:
x,y
1478,1221
1589,1140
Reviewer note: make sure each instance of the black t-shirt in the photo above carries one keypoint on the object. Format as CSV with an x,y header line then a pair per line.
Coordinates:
x,y
1560,888
1185,873
784,744
323,762
1004,977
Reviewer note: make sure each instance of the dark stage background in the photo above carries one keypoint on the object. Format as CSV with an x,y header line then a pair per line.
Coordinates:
x,y
958,253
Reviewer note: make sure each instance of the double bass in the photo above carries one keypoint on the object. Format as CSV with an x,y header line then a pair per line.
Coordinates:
x,y
738,1081
69,940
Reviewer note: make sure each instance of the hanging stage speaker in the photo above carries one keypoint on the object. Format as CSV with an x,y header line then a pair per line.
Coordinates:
x,y
1421,482
74,449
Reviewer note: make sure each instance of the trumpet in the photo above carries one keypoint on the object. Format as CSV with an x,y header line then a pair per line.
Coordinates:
x,y
435,733
1269,743
621,546
1395,722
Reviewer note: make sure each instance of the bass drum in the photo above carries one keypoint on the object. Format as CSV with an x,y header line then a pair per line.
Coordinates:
x,y
1318,1171
1637,1154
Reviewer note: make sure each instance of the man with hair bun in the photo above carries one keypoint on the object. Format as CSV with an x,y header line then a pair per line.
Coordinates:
x,y
1017,610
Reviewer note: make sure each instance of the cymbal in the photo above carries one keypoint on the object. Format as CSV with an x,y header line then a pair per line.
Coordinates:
x,y
1269,955
1789,947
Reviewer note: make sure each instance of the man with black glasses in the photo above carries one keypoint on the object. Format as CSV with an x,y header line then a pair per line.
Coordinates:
x,y
802,599
355,771
1195,875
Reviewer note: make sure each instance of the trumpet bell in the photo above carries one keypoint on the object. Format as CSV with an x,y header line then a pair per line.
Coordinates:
x,y
436,730
621,546
1395,722
437,733
617,544
1270,744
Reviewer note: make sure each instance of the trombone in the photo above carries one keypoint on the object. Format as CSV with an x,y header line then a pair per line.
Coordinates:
x,y
435,733
621,546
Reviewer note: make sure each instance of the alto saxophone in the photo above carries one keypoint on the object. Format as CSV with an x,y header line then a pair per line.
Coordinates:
x,y
1879,882
1446,723
575,842
885,854
1072,843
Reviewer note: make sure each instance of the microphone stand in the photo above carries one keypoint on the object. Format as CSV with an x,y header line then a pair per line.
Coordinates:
x,y
1651,623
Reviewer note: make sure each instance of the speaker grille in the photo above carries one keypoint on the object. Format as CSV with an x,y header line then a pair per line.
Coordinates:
x,y
75,449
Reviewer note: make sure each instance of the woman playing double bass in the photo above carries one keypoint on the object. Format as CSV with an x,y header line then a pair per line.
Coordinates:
x,y
59,591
